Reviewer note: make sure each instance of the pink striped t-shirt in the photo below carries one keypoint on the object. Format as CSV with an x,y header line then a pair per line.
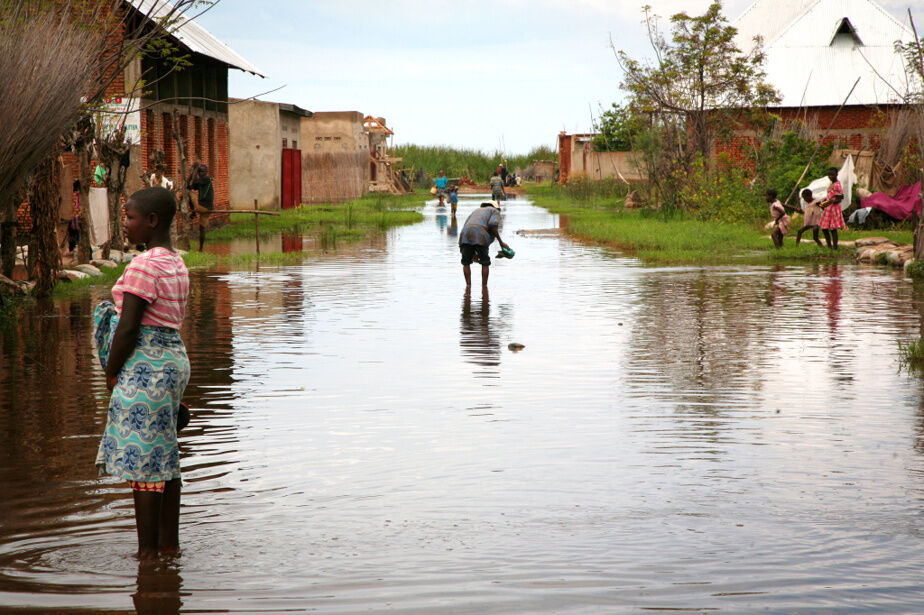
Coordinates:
x,y
160,277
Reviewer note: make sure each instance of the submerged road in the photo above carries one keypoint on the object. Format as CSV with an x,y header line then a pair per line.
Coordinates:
x,y
732,439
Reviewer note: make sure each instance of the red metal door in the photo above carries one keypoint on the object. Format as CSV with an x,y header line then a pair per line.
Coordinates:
x,y
291,178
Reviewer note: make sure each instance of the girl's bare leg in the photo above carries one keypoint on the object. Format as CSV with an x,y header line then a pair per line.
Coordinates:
x,y
170,517
147,522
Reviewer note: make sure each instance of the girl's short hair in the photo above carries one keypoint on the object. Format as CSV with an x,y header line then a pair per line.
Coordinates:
x,y
771,193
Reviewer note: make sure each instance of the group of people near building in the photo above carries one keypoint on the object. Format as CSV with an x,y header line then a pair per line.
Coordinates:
x,y
824,214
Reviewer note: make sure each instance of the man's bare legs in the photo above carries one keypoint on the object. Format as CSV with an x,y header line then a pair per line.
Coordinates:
x,y
467,272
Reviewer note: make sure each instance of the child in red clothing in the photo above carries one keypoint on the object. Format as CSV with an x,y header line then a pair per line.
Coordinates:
x,y
832,218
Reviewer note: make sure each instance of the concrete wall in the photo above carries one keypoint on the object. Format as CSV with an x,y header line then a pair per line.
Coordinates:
x,y
256,154
334,132
576,157
600,165
290,129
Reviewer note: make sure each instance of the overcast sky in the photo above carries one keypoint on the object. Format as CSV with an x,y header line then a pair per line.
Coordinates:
x,y
505,75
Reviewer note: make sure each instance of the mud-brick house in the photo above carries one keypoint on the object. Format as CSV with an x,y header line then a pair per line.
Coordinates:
x,y
266,154
815,51
335,156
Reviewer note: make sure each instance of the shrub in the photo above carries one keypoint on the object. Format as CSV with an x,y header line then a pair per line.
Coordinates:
x,y
916,270
781,162
720,193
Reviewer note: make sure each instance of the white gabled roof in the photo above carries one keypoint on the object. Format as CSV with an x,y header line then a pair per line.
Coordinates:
x,y
811,65
194,36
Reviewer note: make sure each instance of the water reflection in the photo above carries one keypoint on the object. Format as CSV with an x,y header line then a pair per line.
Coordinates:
x,y
292,242
453,230
478,334
158,587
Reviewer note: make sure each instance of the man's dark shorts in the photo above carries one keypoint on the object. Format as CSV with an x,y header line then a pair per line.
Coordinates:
x,y
469,250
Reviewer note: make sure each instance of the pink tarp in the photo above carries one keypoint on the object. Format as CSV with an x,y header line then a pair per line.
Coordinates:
x,y
900,206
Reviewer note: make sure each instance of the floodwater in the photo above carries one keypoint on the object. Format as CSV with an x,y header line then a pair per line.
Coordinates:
x,y
720,439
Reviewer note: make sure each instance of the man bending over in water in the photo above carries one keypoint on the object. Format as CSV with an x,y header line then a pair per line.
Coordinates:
x,y
478,233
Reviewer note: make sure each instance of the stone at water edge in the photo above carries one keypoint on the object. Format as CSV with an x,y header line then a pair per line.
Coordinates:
x,y
863,242
90,270
104,264
71,275
514,347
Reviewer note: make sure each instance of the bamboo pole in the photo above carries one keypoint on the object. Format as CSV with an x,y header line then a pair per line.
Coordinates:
x,y
820,142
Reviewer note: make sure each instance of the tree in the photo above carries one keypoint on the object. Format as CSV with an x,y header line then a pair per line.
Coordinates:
x,y
913,120
42,76
616,129
700,79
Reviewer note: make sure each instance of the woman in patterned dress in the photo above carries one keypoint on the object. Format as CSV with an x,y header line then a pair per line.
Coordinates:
x,y
146,366
832,218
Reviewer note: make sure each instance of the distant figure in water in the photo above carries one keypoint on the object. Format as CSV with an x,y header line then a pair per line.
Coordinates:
x,y
453,197
832,218
478,233
441,182
498,193
781,226
146,367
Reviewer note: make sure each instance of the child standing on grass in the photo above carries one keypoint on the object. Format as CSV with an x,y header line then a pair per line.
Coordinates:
x,y
781,226
812,216
832,218
139,346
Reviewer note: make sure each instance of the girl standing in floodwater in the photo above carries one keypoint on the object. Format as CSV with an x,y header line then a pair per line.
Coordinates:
x,y
140,349
832,218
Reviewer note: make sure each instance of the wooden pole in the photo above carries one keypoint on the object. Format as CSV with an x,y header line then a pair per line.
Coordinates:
x,y
256,223
818,147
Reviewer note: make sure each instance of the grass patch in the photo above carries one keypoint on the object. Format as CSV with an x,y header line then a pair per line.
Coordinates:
x,y
352,219
670,237
106,280
911,354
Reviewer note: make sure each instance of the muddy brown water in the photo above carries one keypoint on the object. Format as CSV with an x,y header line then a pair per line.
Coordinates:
x,y
718,439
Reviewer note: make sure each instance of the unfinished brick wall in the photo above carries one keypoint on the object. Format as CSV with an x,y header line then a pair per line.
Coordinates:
x,y
855,127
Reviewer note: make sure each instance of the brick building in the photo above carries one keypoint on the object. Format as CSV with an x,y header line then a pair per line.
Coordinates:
x,y
197,94
816,50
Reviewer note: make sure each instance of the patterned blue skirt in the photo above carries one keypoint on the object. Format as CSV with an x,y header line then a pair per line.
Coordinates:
x,y
139,442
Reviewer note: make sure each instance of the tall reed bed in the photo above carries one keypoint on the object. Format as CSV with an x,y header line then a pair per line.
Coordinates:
x,y
471,163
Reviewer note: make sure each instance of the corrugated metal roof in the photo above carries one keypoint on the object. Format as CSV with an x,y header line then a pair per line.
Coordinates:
x,y
808,68
194,36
